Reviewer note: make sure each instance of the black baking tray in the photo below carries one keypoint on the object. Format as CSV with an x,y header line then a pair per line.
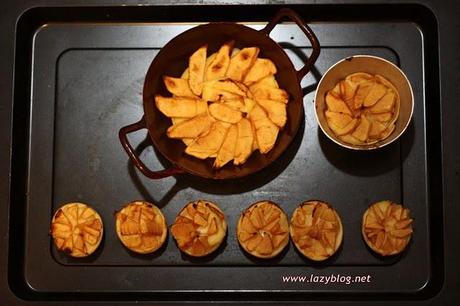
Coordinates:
x,y
78,79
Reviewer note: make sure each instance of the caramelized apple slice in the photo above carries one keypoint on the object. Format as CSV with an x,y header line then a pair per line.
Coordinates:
x,y
205,146
350,127
241,62
335,104
347,91
224,113
362,130
196,70
382,117
178,87
230,86
180,107
338,119
349,138
261,68
244,142
375,94
235,104
227,150
361,93
276,111
270,93
214,93
266,130
376,129
218,66
385,104
359,77
191,128
268,81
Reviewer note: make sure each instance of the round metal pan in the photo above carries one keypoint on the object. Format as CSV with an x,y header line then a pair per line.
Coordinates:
x,y
172,60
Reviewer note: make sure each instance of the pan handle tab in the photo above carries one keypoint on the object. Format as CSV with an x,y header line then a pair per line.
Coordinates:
x,y
122,134
286,12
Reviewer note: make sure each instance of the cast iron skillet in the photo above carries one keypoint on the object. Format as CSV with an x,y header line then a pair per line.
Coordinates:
x,y
172,60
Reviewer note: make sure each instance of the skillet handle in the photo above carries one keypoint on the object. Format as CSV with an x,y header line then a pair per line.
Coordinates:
x,y
122,134
286,12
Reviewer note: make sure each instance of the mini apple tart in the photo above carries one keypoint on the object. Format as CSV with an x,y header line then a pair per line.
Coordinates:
x,y
199,228
362,109
76,229
141,227
263,229
387,228
316,230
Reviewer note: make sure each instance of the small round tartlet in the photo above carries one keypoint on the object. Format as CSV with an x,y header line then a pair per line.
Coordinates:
x,y
76,229
387,228
199,228
263,229
141,227
316,230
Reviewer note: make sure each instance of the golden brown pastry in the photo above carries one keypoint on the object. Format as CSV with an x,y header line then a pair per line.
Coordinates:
x,y
387,228
76,229
141,227
199,228
263,229
316,230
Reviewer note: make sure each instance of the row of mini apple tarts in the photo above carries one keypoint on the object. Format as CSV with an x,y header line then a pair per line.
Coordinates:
x,y
263,229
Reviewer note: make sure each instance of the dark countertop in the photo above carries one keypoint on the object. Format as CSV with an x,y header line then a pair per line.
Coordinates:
x,y
449,50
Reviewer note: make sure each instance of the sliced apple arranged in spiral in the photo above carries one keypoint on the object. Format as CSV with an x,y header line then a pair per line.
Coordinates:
x,y
141,227
387,227
76,229
263,229
226,105
199,228
362,109
316,230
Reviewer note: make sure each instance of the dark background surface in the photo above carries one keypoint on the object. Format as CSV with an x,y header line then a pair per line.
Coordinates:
x,y
449,48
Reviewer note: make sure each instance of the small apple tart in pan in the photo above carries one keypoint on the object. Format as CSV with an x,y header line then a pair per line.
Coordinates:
x,y
263,229
141,227
316,230
387,228
199,228
362,109
76,229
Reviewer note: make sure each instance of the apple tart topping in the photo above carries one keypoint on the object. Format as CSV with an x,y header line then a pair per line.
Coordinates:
x,y
141,227
263,229
226,105
199,228
316,230
362,109
387,228
76,229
